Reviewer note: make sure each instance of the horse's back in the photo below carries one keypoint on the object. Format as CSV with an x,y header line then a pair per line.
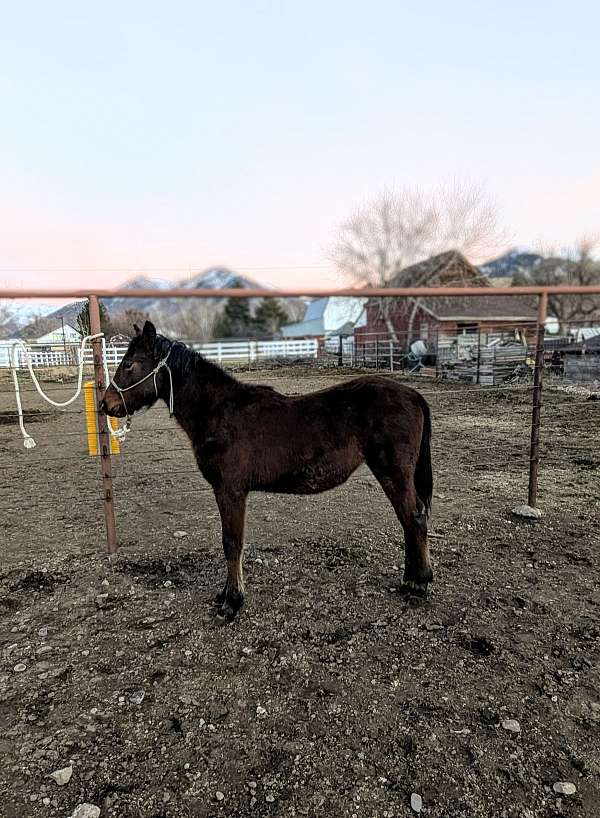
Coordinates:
x,y
369,399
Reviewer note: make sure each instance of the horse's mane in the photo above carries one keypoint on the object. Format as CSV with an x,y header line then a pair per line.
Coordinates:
x,y
186,362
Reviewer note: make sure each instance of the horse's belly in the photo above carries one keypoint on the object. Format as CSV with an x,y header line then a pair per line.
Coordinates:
x,y
317,475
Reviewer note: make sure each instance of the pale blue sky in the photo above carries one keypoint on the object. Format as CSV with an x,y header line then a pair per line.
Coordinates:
x,y
172,136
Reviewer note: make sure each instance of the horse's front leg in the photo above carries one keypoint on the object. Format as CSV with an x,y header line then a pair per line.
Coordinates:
x,y
232,508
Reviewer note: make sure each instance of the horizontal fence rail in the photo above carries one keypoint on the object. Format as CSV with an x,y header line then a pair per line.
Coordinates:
x,y
490,363
257,350
365,292
220,351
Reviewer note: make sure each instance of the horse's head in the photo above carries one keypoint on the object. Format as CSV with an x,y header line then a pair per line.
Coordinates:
x,y
135,383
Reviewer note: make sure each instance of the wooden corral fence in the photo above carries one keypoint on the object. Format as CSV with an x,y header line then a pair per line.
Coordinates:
x,y
541,293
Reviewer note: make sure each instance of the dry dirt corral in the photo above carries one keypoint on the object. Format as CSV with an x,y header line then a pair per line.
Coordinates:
x,y
332,695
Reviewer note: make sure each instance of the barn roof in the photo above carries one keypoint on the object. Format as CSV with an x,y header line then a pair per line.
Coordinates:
x,y
452,269
316,309
300,329
490,307
449,269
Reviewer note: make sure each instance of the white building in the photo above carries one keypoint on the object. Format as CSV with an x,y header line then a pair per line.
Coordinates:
x,y
60,335
325,317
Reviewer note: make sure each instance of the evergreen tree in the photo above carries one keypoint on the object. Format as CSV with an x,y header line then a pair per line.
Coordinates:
x,y
269,316
83,321
235,321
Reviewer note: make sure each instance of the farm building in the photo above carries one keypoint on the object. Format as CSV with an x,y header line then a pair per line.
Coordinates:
x,y
326,317
63,334
438,318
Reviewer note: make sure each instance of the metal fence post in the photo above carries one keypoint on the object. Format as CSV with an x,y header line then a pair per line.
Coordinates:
x,y
340,351
103,433
538,377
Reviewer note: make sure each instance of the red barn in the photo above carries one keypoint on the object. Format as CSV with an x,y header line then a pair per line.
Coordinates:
x,y
430,319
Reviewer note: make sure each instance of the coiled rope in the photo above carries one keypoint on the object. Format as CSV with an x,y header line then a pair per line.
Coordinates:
x,y
28,440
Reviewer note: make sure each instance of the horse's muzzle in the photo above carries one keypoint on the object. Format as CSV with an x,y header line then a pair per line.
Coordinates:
x,y
113,410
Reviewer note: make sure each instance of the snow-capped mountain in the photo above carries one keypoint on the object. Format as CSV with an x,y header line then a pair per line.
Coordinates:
x,y
220,278
118,305
161,310
16,315
510,263
146,283
215,278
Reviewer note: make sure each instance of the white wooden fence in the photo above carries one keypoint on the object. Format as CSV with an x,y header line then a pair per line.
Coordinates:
x,y
257,350
220,351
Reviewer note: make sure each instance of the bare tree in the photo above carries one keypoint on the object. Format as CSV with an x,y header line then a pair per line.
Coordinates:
x,y
295,308
194,320
38,326
122,322
398,229
6,311
573,267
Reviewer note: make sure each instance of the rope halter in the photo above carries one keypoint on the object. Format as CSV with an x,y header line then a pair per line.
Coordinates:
x,y
162,363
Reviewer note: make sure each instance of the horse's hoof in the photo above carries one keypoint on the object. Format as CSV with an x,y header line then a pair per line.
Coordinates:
x,y
229,603
411,588
226,613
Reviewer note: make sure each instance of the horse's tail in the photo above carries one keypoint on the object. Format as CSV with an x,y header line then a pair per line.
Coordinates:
x,y
423,472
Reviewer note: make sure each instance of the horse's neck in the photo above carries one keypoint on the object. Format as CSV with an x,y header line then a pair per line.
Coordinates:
x,y
197,393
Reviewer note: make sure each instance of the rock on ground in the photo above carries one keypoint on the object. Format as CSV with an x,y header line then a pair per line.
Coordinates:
x,y
527,511
62,776
86,811
564,788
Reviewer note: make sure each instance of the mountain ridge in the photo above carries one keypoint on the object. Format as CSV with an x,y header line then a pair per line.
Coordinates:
x,y
162,310
28,319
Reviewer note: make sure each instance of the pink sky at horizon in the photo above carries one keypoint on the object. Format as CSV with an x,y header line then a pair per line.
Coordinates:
x,y
67,251
234,149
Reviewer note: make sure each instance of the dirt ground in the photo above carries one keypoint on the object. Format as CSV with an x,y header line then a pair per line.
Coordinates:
x,y
332,694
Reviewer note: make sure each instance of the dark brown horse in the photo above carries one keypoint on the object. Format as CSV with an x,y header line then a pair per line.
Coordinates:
x,y
251,438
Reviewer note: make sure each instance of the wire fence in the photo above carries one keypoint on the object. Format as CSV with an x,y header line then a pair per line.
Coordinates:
x,y
489,356
486,420
480,446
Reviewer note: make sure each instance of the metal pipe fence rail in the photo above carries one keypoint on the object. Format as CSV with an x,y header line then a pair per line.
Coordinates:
x,y
530,448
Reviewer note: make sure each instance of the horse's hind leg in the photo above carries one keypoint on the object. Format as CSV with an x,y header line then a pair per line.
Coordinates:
x,y
398,484
232,508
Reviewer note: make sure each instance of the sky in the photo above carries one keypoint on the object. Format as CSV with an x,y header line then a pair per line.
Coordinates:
x,y
164,138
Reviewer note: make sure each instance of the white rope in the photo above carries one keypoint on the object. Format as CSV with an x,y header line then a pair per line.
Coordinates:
x,y
28,441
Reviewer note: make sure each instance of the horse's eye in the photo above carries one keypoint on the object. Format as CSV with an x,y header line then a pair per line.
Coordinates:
x,y
127,366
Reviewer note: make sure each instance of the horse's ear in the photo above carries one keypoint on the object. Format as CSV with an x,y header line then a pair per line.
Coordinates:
x,y
137,330
149,334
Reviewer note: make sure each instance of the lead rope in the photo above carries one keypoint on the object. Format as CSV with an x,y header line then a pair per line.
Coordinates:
x,y
28,440
121,432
